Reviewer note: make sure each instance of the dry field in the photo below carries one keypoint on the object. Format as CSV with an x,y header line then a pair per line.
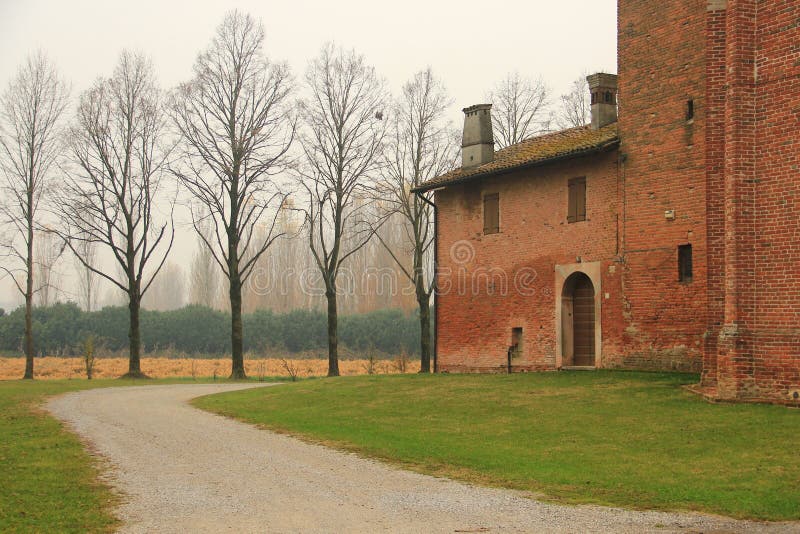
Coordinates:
x,y
53,367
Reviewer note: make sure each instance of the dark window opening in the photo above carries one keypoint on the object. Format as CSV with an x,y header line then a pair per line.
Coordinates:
x,y
491,214
685,263
516,342
603,97
689,110
576,210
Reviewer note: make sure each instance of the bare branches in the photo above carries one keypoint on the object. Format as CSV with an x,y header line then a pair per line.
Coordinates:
x,y
574,109
422,146
113,183
30,127
204,283
519,109
48,251
236,125
117,162
168,290
342,140
31,109
86,254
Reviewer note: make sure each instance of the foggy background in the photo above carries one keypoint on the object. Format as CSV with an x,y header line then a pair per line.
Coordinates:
x,y
469,45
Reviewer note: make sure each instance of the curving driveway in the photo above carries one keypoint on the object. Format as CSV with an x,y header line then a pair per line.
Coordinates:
x,y
184,470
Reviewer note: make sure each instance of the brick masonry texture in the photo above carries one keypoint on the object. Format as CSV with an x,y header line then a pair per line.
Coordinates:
x,y
661,68
758,356
489,284
731,177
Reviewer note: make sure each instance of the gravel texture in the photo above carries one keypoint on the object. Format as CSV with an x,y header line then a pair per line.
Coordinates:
x,y
180,469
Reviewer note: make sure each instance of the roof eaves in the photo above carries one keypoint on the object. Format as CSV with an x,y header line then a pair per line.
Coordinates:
x,y
608,145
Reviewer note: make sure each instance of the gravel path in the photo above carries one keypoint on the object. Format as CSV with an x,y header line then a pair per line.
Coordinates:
x,y
184,470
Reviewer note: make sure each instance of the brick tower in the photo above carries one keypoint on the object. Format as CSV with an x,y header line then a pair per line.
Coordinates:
x,y
753,169
710,93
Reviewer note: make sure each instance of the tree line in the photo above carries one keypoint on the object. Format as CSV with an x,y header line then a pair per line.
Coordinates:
x,y
258,158
61,330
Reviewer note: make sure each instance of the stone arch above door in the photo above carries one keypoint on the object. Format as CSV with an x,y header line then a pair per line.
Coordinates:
x,y
592,270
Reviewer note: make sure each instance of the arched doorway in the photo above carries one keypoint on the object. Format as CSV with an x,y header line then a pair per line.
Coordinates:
x,y
578,321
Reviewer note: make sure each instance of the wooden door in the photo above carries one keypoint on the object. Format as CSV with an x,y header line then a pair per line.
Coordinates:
x,y
583,322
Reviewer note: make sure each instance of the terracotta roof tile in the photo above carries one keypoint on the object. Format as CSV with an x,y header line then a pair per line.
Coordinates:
x,y
534,151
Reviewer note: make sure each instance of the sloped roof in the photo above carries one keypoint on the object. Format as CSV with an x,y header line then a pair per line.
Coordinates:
x,y
534,151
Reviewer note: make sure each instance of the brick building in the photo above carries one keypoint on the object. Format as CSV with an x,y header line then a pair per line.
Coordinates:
x,y
664,237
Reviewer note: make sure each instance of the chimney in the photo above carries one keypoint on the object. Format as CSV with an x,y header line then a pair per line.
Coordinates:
x,y
603,88
477,143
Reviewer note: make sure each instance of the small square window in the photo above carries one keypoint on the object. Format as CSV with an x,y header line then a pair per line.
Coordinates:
x,y
685,263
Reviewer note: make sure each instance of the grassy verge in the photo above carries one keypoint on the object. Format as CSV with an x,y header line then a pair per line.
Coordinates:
x,y
48,483
636,440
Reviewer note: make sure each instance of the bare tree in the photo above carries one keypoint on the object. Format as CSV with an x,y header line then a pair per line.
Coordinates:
x,y
204,282
378,281
167,291
575,109
271,285
520,109
109,193
31,109
342,141
236,123
86,254
422,145
48,251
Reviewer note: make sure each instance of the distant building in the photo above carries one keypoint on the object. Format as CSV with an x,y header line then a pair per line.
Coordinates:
x,y
667,239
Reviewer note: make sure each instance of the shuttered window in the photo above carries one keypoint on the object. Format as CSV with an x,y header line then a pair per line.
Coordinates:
x,y
491,214
576,211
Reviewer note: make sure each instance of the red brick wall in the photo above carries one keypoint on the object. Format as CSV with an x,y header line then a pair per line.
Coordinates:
x,y
759,351
661,67
732,176
715,186
659,323
475,321
776,318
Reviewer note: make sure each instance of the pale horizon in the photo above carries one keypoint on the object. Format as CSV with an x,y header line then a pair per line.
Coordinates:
x,y
470,46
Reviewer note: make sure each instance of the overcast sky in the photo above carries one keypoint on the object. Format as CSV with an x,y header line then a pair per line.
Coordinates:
x,y
470,45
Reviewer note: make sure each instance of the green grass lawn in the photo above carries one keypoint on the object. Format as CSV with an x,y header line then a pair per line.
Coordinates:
x,y
630,439
48,483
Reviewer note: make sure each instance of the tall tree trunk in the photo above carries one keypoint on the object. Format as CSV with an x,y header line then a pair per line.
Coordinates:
x,y
28,333
425,331
29,296
423,300
237,356
134,339
333,334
